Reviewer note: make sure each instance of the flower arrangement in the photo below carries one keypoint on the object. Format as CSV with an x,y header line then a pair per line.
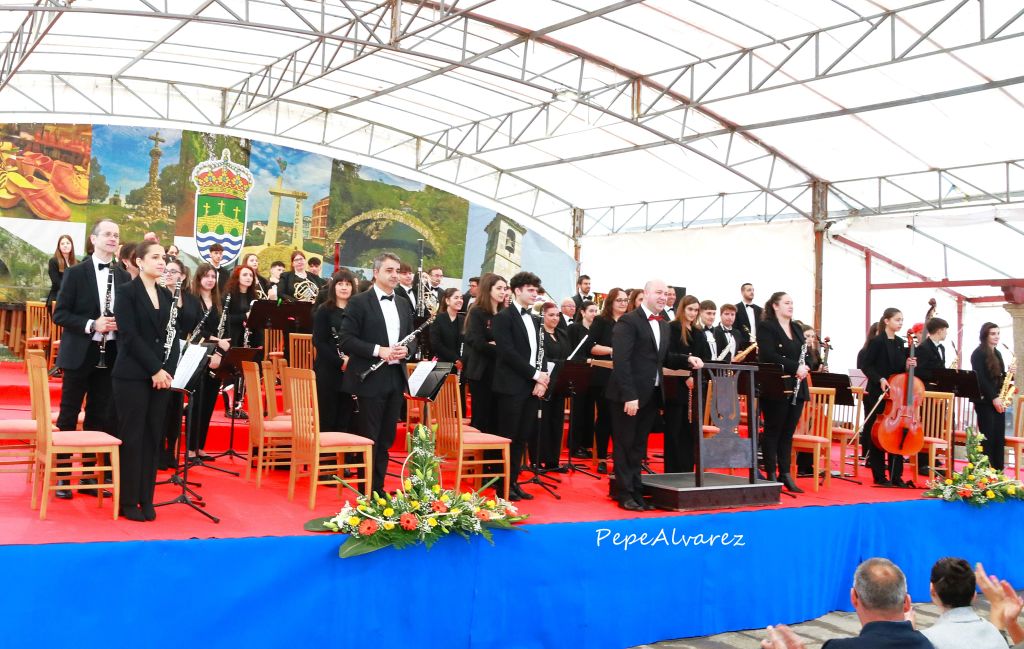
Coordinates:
x,y
421,512
977,483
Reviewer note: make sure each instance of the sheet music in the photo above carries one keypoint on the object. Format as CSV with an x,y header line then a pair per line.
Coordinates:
x,y
187,366
419,375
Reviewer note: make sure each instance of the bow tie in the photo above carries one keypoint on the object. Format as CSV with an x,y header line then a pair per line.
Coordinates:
x,y
587,297
940,346
106,265
387,297
524,311
654,317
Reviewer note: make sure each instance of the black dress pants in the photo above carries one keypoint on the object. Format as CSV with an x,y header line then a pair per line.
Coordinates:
x,y
484,416
878,460
517,420
992,425
780,420
378,419
141,418
629,435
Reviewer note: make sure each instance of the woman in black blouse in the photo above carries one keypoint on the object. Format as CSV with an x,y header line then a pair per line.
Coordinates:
x,y
446,336
545,448
886,354
681,423
63,257
241,290
988,366
335,406
779,341
480,353
298,285
581,430
615,306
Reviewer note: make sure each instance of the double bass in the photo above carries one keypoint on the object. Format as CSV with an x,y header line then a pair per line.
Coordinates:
x,y
898,430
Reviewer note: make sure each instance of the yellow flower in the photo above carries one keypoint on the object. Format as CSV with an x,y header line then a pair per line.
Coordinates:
x,y
949,481
381,501
361,508
436,488
476,509
388,525
491,504
456,511
388,511
1011,490
970,465
971,477
408,484
353,520
415,504
990,494
432,522
467,496
980,448
445,498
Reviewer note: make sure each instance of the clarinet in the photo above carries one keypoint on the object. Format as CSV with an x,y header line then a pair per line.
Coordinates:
x,y
803,358
172,331
102,364
194,336
337,342
404,341
540,360
223,317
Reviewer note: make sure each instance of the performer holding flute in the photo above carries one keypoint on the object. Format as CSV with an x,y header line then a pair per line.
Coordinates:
x,y
681,423
993,382
146,316
336,405
373,325
780,341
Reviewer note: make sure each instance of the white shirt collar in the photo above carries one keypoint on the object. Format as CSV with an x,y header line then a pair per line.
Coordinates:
x,y
380,293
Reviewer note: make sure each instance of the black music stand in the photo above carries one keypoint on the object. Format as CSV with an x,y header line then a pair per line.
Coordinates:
x,y
185,497
231,368
962,383
427,393
572,379
844,397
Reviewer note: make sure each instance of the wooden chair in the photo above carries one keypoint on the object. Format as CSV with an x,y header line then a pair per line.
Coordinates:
x,y
37,325
846,422
465,445
963,418
50,443
309,442
271,439
56,331
817,438
273,349
18,436
937,421
1015,442
270,392
300,351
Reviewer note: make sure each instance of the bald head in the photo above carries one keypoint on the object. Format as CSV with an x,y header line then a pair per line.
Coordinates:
x,y
655,292
568,307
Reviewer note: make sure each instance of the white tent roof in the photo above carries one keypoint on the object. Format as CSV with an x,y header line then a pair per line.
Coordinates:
x,y
646,113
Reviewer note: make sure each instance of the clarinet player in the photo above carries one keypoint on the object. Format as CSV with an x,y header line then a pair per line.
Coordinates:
x,y
336,406
146,317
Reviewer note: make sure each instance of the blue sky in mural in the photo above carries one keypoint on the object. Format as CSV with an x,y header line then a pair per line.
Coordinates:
x,y
306,172
123,152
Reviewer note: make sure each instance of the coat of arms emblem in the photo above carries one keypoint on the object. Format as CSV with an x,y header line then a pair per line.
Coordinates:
x,y
222,187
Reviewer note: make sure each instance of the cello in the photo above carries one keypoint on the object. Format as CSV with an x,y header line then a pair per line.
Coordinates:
x,y
898,430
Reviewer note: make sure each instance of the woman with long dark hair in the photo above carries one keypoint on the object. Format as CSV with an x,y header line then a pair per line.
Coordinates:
x,y
615,306
141,377
779,341
446,336
336,406
988,366
886,355
545,449
480,352
62,259
581,429
681,422
241,289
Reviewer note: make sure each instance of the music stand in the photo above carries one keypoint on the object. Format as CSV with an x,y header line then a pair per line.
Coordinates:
x,y
572,379
231,368
426,391
844,397
962,383
184,496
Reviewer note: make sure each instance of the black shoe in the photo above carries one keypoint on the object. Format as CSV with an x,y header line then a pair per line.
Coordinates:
x,y
882,482
804,473
646,505
525,495
582,454
787,481
133,514
513,496
631,505
149,512
897,482
237,414
64,494
602,467
206,458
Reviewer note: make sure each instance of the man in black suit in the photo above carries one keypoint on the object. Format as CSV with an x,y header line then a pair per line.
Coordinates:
x,y
728,334
436,275
80,310
931,356
715,339
223,273
517,378
470,297
639,351
748,314
568,314
372,327
670,304
406,288
582,295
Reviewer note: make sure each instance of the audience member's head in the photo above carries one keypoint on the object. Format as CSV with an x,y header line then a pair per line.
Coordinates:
x,y
879,591
952,583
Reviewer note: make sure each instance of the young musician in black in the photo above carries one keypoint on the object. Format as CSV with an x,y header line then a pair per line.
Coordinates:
x,y
545,447
62,259
779,341
518,381
581,442
931,352
141,377
480,352
298,284
602,331
731,336
188,315
372,329
886,355
681,423
990,369
748,314
582,294
446,332
336,405
81,308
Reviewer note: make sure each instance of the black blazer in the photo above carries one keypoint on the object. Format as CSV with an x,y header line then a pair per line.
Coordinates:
x,y
78,302
602,333
405,294
479,353
363,328
720,343
882,359
774,346
883,635
575,332
142,332
235,325
513,367
741,336
636,362
928,360
56,276
988,385
327,364
556,347
223,275
446,337
212,319
742,322
579,304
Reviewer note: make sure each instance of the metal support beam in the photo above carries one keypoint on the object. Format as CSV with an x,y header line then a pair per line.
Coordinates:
x,y
27,36
947,246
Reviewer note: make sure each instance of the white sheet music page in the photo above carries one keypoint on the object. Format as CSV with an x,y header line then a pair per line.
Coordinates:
x,y
190,360
419,375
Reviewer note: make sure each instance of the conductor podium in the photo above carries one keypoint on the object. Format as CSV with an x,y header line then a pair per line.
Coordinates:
x,y
721,449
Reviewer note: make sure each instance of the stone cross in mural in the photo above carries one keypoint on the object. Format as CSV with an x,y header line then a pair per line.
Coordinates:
x,y
152,202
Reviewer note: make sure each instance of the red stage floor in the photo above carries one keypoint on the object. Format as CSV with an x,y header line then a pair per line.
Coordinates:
x,y
246,511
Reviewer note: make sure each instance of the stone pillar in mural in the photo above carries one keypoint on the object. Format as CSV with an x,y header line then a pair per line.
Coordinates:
x,y
504,252
1016,312
152,202
297,224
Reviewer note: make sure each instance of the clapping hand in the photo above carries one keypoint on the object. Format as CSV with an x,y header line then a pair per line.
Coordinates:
x,y
1004,602
782,637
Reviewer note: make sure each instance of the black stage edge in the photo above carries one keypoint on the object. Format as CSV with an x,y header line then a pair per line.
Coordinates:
x,y
678,491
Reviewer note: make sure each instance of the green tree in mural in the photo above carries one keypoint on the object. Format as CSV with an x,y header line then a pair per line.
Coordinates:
x,y
172,184
135,196
98,187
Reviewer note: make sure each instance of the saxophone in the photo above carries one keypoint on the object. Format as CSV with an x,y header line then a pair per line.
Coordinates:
x,y
172,330
1008,388
738,358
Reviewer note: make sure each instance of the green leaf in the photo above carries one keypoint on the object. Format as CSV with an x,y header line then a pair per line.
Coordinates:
x,y
354,547
317,525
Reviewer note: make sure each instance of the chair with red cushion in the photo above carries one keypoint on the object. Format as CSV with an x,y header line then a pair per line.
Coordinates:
x,y
466,445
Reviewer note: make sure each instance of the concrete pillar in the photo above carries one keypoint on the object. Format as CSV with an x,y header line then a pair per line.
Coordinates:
x,y
297,226
1016,312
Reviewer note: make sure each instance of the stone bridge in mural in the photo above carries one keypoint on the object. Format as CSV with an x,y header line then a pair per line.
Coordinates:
x,y
391,215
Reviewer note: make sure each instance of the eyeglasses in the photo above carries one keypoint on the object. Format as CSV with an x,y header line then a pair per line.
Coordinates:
x,y
172,271
622,300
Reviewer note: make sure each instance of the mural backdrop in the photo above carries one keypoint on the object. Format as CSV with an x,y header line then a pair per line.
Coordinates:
x,y
195,189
